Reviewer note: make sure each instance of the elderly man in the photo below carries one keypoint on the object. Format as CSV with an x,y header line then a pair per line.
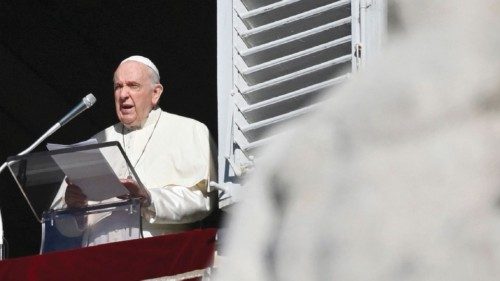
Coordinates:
x,y
170,153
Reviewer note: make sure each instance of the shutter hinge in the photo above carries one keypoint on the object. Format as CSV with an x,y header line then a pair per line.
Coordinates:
x,y
366,4
358,48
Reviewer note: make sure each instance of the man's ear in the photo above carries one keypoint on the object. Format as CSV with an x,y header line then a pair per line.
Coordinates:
x,y
157,91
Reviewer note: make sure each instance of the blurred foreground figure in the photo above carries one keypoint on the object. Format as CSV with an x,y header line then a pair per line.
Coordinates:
x,y
397,177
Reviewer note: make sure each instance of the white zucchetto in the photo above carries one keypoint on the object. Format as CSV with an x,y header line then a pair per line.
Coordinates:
x,y
144,61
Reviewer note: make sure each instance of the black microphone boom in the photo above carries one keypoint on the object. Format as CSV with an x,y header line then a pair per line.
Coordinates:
x,y
86,102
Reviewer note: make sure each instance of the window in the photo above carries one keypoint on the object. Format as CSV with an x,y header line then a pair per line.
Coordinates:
x,y
275,59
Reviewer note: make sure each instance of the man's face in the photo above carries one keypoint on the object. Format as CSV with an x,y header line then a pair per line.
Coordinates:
x,y
135,93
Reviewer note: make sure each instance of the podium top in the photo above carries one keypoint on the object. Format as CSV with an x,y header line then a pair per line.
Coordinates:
x,y
95,168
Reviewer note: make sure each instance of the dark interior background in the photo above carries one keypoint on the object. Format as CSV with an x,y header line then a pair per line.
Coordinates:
x,y
54,52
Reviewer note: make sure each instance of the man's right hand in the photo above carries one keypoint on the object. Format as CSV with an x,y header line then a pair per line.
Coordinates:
x,y
74,196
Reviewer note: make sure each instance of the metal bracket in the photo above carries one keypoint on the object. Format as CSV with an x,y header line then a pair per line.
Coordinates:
x,y
367,4
358,51
236,168
241,168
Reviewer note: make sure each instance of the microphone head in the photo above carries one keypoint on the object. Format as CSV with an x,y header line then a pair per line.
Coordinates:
x,y
89,100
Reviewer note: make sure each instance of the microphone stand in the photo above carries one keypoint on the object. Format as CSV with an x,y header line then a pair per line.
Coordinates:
x,y
49,132
86,102
4,165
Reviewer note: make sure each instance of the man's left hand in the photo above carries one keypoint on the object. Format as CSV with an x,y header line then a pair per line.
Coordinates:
x,y
137,192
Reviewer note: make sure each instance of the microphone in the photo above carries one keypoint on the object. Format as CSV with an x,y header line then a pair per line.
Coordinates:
x,y
86,103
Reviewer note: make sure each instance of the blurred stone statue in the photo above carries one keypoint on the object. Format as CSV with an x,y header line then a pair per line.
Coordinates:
x,y
397,176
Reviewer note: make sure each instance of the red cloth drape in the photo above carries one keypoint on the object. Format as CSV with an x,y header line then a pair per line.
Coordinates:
x,y
129,260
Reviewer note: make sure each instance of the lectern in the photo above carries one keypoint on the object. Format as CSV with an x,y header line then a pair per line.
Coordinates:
x,y
111,214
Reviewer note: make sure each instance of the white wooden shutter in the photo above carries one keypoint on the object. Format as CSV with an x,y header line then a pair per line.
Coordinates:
x,y
275,59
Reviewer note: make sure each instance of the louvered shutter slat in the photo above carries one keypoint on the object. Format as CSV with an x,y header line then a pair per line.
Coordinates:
x,y
279,10
296,43
294,62
294,24
288,102
255,4
297,80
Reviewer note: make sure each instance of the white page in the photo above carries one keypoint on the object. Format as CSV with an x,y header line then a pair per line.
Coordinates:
x,y
56,146
90,171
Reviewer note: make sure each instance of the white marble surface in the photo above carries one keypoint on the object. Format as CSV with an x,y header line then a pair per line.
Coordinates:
x,y
397,176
